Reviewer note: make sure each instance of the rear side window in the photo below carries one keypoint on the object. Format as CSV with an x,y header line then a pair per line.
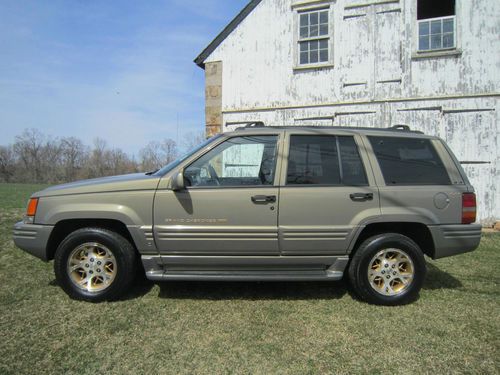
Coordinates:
x,y
324,160
409,161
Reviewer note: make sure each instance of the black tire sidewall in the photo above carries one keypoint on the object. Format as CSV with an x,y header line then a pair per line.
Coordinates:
x,y
369,249
119,246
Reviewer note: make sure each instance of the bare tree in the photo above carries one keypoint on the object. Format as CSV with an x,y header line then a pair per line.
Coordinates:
x,y
193,139
7,163
51,161
97,165
157,154
29,147
119,162
34,157
74,155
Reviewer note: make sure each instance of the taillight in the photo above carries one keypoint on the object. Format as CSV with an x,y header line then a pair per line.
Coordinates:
x,y
31,209
468,208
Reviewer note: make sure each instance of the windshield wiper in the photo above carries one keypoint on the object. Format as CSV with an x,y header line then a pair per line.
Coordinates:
x,y
152,172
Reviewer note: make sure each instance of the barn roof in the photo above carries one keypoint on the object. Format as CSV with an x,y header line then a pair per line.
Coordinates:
x,y
200,60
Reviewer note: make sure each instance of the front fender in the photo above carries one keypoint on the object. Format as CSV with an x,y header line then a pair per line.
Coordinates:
x,y
130,208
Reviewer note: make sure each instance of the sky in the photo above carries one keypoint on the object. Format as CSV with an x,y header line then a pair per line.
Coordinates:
x,y
119,70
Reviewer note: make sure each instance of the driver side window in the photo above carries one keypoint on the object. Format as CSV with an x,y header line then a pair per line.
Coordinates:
x,y
239,161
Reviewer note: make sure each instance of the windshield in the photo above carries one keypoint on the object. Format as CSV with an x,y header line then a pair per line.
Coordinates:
x,y
179,160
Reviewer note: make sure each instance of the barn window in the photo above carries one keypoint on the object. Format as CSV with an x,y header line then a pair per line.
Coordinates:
x,y
314,37
436,24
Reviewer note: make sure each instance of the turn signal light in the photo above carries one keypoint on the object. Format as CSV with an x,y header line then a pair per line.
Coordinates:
x,y
468,208
32,205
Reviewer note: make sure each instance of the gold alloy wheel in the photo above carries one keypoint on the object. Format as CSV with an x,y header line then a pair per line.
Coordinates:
x,y
391,272
92,267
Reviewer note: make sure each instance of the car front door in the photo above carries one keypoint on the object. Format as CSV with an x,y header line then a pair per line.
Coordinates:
x,y
229,205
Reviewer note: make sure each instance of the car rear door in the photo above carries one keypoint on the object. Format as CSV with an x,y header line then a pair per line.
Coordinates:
x,y
327,189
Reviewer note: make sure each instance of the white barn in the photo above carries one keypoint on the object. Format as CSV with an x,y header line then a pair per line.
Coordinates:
x,y
433,65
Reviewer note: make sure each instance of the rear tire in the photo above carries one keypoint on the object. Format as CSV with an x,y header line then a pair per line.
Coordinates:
x,y
95,264
387,269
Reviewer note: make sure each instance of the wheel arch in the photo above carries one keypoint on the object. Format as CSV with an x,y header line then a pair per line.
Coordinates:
x,y
416,231
64,227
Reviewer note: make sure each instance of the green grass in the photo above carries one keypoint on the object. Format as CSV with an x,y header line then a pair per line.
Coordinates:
x,y
253,328
17,195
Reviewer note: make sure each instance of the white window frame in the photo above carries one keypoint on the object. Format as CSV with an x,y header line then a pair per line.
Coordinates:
x,y
298,10
455,51
430,21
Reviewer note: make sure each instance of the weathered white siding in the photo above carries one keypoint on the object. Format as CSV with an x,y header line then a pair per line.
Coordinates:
x,y
377,78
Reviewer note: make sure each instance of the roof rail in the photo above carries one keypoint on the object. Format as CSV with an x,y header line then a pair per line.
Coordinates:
x,y
405,128
248,124
260,124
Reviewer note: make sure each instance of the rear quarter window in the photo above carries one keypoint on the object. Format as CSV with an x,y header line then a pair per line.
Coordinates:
x,y
409,161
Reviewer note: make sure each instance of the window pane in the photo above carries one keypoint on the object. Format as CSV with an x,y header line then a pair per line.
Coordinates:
x,y
304,20
323,18
323,44
314,56
304,57
304,47
448,41
323,55
409,161
314,45
423,28
304,32
423,43
436,27
353,172
323,30
313,160
314,31
448,25
436,41
313,18
241,161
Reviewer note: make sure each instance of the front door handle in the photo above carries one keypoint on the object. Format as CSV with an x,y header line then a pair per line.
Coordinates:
x,y
361,197
263,199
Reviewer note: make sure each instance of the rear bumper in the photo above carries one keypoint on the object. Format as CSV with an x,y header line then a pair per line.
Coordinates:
x,y
455,239
32,238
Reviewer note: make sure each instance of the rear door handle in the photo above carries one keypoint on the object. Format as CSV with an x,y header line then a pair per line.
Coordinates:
x,y
361,197
262,199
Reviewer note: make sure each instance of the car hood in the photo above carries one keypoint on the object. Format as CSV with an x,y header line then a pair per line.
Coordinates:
x,y
136,181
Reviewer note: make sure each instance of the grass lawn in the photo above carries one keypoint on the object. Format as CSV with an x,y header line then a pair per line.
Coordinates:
x,y
253,328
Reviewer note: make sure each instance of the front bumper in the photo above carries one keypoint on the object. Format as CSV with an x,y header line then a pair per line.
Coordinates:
x,y
455,239
33,238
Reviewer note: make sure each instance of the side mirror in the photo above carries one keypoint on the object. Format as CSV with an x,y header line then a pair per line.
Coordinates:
x,y
177,183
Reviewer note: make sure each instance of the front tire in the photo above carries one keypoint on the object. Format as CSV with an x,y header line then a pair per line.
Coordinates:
x,y
95,264
387,269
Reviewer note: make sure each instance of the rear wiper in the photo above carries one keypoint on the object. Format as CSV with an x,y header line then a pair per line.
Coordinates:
x,y
152,172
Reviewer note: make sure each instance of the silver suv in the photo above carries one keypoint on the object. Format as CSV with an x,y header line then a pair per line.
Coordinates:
x,y
264,204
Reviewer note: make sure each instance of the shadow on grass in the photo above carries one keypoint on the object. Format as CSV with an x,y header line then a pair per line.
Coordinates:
x,y
253,290
438,279
230,290
140,288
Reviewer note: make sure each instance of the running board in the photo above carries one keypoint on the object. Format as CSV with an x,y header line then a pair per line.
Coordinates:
x,y
231,268
246,275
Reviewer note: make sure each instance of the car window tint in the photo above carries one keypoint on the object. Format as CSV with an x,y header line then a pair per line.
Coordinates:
x,y
353,172
409,161
313,160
